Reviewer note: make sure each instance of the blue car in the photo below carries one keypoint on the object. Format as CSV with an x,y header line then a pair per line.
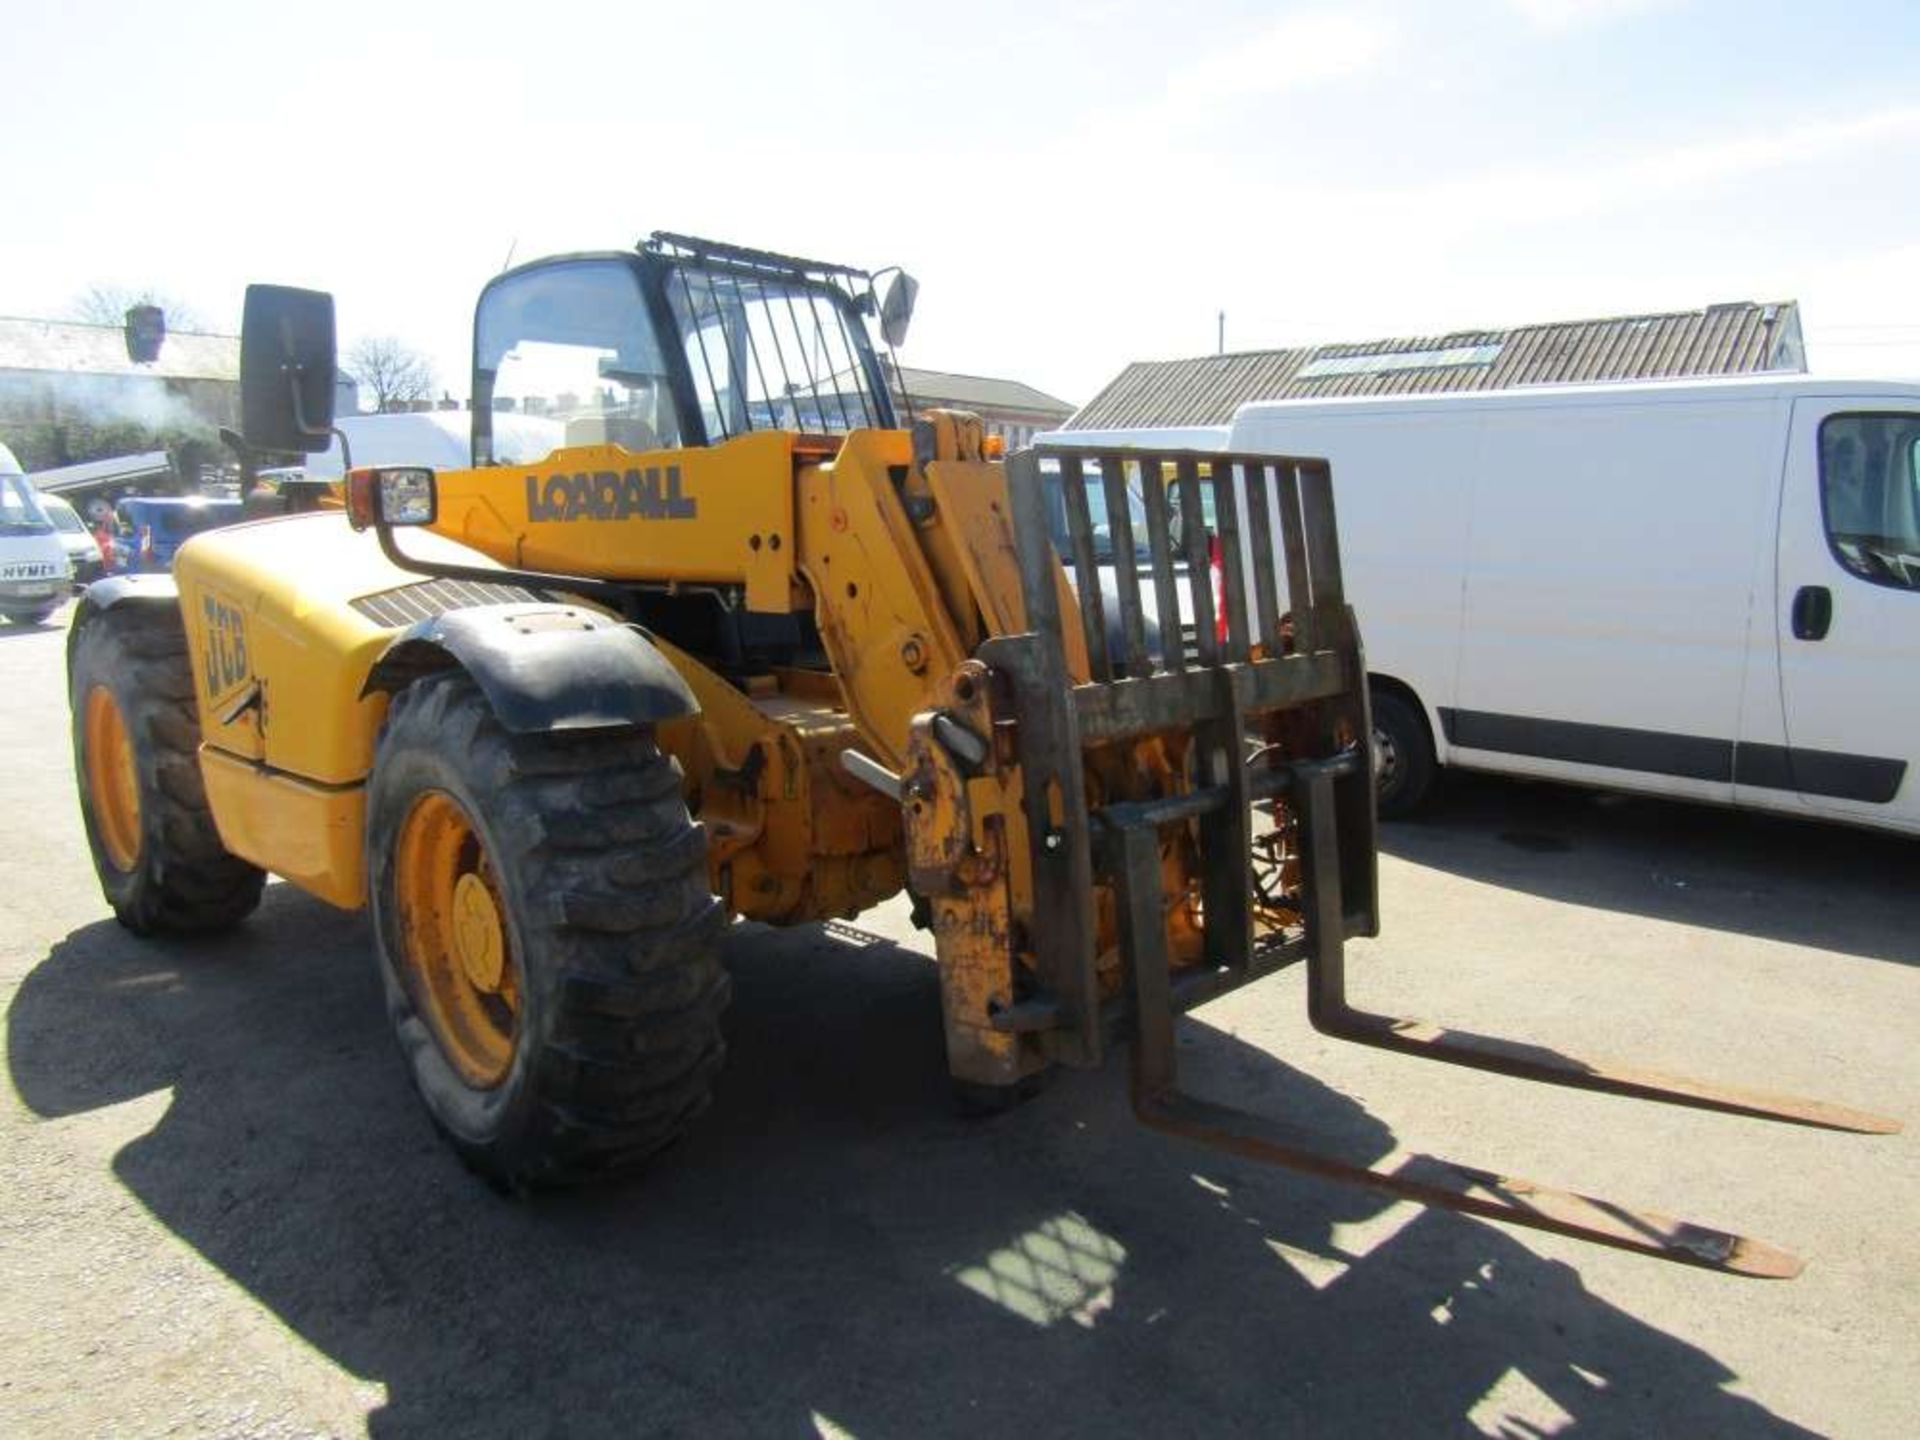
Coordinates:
x,y
154,526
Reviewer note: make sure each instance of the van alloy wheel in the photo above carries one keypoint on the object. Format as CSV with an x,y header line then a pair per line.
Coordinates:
x,y
1386,759
1403,758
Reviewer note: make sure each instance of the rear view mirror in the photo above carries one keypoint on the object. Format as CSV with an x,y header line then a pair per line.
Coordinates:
x,y
896,307
287,369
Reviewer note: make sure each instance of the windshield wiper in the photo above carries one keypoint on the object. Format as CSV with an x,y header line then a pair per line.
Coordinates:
x,y
1885,554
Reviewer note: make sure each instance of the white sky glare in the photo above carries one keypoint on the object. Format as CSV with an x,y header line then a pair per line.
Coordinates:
x,y
1076,186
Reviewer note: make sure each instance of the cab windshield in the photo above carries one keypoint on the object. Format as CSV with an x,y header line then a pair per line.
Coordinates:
x,y
20,509
571,345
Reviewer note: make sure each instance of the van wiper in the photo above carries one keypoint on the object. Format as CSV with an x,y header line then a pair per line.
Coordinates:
x,y
1903,564
1878,555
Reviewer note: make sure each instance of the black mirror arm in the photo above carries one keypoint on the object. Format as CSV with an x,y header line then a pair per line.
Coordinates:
x,y
294,374
300,418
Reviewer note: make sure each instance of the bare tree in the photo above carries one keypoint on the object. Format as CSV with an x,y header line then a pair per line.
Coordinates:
x,y
108,305
395,373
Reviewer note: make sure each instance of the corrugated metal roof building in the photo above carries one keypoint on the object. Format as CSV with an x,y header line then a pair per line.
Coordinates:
x,y
1007,408
981,391
1737,339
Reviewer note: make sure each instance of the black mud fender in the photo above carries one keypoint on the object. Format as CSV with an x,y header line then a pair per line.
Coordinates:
x,y
137,589
118,589
543,667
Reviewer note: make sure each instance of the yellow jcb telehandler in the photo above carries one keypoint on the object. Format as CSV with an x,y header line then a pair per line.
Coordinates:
x,y
705,630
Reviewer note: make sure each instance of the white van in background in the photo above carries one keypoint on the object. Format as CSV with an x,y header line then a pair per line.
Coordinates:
x,y
1701,589
83,551
34,574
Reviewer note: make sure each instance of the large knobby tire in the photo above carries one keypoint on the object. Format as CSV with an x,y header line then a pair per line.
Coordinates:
x,y
136,742
549,944
1403,754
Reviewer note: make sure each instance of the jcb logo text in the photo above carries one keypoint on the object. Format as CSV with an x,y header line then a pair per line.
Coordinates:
x,y
226,646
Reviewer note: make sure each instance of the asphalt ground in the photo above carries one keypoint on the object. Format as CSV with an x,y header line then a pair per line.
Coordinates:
x,y
223,1212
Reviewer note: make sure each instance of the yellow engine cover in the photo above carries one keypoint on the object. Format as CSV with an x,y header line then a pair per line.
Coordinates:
x,y
285,618
292,613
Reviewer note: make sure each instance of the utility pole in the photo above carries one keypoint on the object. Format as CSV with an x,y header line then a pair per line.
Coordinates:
x,y
1223,333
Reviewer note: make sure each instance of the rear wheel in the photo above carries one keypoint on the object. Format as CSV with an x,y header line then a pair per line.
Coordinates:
x,y
1403,755
136,740
546,935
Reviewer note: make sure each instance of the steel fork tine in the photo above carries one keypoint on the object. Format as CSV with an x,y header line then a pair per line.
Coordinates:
x,y
1327,1007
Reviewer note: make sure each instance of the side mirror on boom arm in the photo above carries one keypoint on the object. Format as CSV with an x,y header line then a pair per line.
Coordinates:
x,y
287,369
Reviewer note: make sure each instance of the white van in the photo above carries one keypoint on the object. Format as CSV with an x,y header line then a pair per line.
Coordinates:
x,y
34,573
83,551
1703,589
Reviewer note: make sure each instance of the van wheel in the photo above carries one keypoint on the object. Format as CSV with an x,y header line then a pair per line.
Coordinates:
x,y
548,942
136,741
1403,755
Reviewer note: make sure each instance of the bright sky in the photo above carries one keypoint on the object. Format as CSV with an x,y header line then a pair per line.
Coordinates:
x,y
1076,185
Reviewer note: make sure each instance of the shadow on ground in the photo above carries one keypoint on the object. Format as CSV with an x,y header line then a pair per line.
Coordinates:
x,y
30,627
1802,882
831,1244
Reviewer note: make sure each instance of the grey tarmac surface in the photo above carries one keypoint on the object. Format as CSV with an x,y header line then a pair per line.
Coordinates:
x,y
223,1213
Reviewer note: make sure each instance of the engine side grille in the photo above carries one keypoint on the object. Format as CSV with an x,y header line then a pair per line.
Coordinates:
x,y
410,604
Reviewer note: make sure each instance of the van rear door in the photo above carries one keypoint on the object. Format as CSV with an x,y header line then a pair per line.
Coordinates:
x,y
1847,608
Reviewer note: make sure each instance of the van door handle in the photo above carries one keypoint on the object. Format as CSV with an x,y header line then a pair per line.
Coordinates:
x,y
1812,612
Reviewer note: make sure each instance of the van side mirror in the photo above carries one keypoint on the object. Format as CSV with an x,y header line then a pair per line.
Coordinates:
x,y
896,307
287,369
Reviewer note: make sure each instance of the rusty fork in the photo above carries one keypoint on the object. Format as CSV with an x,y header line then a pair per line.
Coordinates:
x,y
1258,666
1160,1103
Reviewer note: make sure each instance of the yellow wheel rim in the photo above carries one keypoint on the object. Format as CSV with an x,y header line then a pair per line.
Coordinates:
x,y
453,936
113,778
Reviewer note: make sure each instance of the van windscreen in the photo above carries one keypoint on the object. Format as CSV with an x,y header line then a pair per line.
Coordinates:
x,y
20,511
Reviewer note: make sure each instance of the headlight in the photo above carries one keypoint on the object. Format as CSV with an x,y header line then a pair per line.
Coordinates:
x,y
391,496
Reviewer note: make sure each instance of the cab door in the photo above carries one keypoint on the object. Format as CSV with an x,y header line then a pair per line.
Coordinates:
x,y
1847,610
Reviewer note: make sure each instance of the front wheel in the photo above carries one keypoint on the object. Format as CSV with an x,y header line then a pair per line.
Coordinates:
x,y
548,942
136,742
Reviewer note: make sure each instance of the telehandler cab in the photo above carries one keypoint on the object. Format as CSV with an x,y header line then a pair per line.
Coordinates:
x,y
740,642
